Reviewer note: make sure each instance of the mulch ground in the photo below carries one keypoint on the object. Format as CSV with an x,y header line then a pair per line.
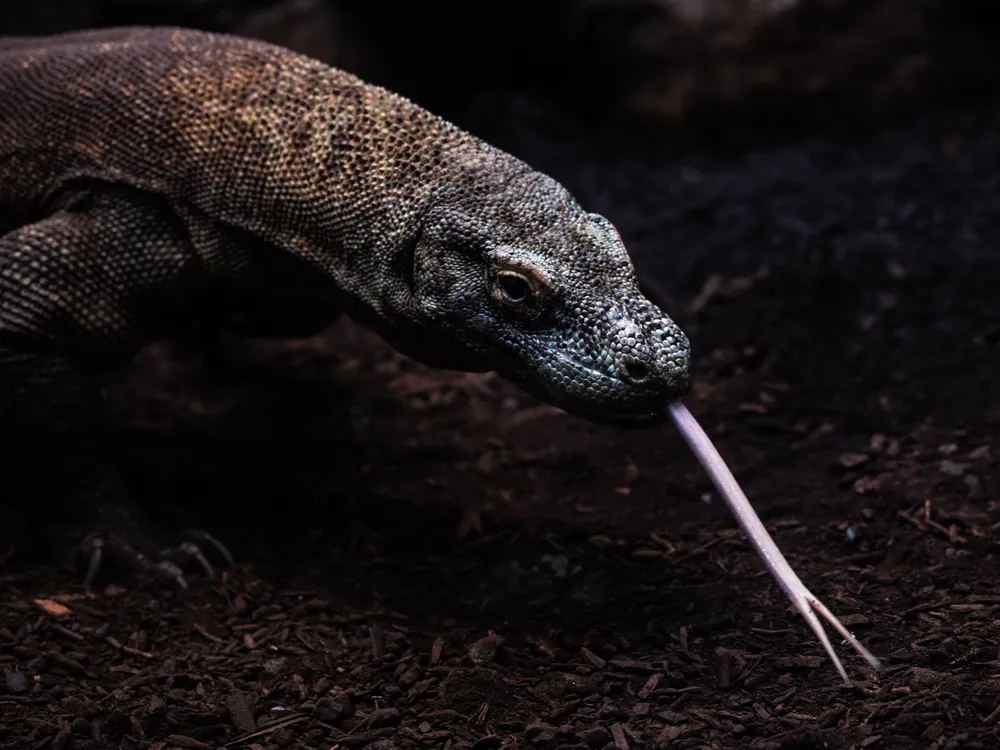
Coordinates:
x,y
433,560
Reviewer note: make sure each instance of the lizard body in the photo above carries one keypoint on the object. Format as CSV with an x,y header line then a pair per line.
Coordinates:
x,y
151,179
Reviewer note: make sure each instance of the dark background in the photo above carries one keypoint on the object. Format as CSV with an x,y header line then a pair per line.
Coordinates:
x,y
815,196
667,65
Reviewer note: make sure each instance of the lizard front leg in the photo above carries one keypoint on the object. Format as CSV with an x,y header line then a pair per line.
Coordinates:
x,y
81,290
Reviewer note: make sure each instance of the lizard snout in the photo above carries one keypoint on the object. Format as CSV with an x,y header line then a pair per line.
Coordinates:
x,y
638,361
649,357
633,370
633,363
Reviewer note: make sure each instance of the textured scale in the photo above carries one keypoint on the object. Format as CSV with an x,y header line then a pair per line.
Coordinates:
x,y
151,179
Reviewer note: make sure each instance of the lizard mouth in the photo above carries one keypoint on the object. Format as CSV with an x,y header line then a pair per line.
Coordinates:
x,y
646,417
645,409
620,419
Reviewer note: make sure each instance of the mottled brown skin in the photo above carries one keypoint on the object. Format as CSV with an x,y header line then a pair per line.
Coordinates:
x,y
155,179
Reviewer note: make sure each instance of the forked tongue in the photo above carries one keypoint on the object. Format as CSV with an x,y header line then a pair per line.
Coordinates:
x,y
803,599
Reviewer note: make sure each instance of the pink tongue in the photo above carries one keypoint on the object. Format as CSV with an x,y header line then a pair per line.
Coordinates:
x,y
803,599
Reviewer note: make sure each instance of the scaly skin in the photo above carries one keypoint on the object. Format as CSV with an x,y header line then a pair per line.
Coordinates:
x,y
151,179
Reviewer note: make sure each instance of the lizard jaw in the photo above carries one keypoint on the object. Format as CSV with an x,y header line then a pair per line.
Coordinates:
x,y
594,412
623,405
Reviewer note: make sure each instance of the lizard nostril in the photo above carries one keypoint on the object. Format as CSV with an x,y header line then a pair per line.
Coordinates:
x,y
636,371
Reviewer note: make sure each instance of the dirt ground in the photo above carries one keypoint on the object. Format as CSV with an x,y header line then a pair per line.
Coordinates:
x,y
434,560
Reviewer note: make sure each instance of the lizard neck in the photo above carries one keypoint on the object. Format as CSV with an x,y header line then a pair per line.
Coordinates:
x,y
346,187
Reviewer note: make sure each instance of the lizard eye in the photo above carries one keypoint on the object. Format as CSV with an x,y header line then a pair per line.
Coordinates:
x,y
519,287
513,288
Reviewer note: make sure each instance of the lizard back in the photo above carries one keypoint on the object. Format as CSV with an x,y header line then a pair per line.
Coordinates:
x,y
251,134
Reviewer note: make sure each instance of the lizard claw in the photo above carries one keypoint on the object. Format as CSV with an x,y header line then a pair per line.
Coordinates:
x,y
189,552
165,570
205,538
94,559
203,561
101,552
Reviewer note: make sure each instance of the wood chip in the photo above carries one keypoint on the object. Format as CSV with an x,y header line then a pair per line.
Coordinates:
x,y
187,743
646,690
200,629
633,665
66,632
725,680
377,636
240,713
618,735
436,649
593,658
52,607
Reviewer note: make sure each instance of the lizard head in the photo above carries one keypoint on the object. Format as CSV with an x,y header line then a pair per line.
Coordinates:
x,y
510,274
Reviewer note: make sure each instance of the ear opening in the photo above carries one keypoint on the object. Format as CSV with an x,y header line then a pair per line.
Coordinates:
x,y
404,262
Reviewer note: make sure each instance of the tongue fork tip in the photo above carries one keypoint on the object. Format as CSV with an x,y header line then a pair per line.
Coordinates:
x,y
810,607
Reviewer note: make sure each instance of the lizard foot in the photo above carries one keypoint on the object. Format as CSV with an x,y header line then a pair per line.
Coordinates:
x,y
102,553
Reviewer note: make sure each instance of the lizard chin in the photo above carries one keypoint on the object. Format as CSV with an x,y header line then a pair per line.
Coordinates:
x,y
621,416
623,420
619,419
649,412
